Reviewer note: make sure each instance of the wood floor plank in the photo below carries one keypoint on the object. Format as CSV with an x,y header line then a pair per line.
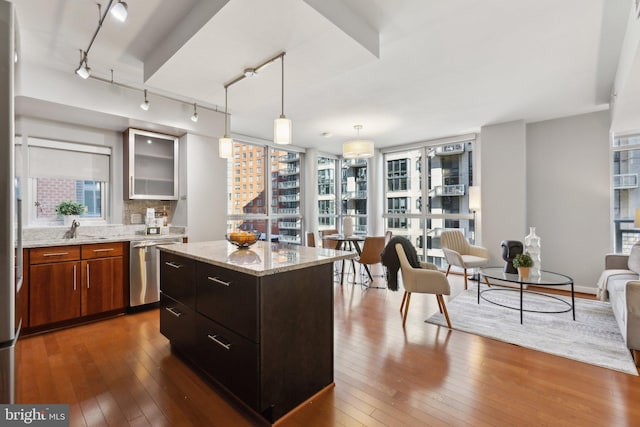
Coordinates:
x,y
121,372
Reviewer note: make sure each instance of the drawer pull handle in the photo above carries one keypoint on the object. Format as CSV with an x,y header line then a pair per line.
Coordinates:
x,y
103,250
215,339
218,281
173,311
171,264
56,254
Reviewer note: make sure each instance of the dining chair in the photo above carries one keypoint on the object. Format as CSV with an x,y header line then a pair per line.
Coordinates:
x,y
426,280
311,239
328,243
371,250
459,252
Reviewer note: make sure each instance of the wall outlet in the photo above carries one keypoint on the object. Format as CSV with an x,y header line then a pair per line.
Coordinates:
x,y
136,218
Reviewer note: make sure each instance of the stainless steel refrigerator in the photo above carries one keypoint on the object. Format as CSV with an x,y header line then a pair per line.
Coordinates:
x,y
10,227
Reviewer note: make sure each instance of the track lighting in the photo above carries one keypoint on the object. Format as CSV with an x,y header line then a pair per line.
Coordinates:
x,y
119,11
194,118
145,104
83,69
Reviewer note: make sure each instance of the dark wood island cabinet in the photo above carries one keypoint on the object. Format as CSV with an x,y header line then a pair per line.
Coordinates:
x,y
258,321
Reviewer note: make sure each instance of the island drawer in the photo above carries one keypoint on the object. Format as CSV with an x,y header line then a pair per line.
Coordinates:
x,y
230,298
230,359
177,278
178,324
102,250
54,254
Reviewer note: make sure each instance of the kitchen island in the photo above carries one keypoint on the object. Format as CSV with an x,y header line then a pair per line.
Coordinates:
x,y
258,322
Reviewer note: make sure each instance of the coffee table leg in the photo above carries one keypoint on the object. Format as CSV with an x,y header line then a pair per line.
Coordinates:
x,y
521,303
573,303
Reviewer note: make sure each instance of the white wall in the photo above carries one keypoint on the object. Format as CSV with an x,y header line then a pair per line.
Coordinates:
x,y
568,193
202,205
502,177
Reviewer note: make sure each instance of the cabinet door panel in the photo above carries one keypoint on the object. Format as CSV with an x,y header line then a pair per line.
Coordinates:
x,y
102,285
178,324
102,250
177,278
54,292
230,359
230,298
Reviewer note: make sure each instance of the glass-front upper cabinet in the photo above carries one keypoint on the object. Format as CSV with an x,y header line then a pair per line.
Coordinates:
x,y
150,165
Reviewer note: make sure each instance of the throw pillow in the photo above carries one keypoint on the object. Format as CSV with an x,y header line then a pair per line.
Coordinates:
x,y
633,263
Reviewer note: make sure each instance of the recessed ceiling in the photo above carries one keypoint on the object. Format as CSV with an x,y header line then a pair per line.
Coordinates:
x,y
441,68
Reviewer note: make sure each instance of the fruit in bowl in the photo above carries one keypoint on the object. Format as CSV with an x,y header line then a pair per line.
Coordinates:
x,y
242,238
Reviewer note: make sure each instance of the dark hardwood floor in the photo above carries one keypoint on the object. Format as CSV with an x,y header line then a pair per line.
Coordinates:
x,y
121,372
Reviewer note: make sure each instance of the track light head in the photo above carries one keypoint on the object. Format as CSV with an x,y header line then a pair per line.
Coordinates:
x,y
83,70
119,11
145,104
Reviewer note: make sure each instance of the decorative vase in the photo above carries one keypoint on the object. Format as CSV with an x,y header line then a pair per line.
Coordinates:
x,y
347,226
68,219
523,272
532,247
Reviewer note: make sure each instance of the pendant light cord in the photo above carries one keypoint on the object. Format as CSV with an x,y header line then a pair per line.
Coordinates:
x,y
282,104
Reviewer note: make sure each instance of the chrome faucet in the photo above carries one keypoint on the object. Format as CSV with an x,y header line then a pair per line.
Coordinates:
x,y
72,232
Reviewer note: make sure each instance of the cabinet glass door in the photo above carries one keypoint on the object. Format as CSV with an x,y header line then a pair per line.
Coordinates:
x,y
153,165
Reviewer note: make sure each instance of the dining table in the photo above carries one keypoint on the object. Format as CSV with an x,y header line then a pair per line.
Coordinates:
x,y
350,243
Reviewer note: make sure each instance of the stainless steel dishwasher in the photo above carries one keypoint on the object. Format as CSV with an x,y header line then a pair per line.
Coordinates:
x,y
144,272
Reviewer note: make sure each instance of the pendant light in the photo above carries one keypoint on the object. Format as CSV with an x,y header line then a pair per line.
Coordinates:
x,y
282,125
225,144
145,103
194,118
357,148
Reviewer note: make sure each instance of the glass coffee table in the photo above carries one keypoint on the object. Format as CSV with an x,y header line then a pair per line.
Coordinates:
x,y
546,278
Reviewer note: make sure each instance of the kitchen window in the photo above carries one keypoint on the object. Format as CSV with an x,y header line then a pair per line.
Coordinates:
x,y
67,171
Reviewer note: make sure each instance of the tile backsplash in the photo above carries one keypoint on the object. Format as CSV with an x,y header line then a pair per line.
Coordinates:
x,y
137,209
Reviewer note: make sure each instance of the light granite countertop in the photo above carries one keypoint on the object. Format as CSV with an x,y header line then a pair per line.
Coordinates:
x,y
261,259
54,236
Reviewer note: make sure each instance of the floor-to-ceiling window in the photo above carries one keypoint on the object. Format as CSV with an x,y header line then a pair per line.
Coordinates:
x,y
626,194
264,192
427,191
327,193
354,192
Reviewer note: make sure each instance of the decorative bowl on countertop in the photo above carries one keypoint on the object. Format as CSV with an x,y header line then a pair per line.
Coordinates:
x,y
243,239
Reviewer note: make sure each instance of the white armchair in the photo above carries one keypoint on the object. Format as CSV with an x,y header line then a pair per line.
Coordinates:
x,y
459,252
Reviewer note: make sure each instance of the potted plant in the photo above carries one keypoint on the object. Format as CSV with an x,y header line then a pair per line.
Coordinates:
x,y
69,210
523,262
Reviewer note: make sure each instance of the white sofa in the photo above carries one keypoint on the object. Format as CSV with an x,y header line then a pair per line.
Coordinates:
x,y
620,285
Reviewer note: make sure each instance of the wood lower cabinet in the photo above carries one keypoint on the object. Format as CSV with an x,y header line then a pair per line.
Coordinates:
x,y
102,285
71,282
54,294
268,340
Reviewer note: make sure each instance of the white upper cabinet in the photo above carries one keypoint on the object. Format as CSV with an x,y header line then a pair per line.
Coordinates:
x,y
150,165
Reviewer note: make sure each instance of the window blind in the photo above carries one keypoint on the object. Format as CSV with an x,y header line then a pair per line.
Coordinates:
x,y
68,161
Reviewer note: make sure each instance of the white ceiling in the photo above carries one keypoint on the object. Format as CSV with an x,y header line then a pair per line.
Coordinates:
x,y
407,70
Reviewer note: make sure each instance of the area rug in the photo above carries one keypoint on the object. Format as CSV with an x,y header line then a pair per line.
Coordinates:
x,y
594,337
